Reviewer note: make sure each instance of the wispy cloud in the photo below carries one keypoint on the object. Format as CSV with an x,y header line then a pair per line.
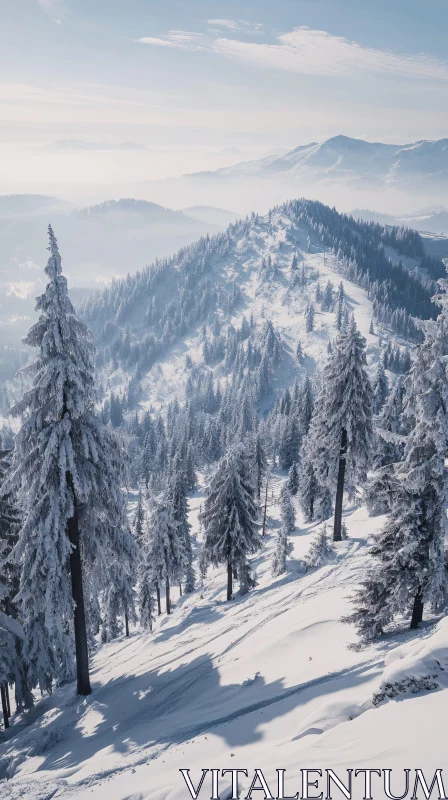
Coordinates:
x,y
311,52
156,42
236,25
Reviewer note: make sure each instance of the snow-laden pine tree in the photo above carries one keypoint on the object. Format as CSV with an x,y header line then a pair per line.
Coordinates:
x,y
260,463
284,545
163,552
293,479
119,598
289,442
380,388
9,587
320,550
230,517
67,470
340,437
178,510
305,406
409,570
138,523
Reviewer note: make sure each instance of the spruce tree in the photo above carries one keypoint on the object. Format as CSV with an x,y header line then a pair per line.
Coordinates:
x,y
320,550
287,527
9,587
261,463
67,470
230,517
409,553
340,436
293,479
178,511
380,388
305,406
138,523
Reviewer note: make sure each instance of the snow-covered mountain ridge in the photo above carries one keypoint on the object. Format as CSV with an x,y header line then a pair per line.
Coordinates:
x,y
352,161
148,323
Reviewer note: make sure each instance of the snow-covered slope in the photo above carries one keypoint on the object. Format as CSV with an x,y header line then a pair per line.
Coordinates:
x,y
265,681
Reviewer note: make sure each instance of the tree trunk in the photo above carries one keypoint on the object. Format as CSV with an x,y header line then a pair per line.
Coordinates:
x,y
229,578
7,699
126,622
180,590
167,595
417,610
337,533
159,604
82,653
265,510
4,706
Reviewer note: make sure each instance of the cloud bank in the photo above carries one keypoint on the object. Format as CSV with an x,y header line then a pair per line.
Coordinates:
x,y
307,51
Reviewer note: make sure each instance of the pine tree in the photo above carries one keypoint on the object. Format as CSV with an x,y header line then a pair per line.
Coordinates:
x,y
261,463
409,553
67,469
178,511
164,551
293,479
151,574
340,307
309,318
320,550
138,522
230,517
119,599
340,438
305,407
9,587
290,442
380,389
287,527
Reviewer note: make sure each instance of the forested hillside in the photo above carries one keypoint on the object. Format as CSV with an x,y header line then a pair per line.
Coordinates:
x,y
241,444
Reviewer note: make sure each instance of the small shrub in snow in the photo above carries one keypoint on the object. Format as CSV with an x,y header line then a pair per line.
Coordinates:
x,y
412,684
320,550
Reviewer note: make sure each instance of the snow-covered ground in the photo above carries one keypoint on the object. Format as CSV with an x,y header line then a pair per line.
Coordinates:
x,y
266,681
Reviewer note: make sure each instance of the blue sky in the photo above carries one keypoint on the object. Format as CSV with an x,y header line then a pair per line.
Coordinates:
x,y
90,88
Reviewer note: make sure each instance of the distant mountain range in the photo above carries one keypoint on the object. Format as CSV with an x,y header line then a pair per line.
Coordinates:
x,y
96,243
355,162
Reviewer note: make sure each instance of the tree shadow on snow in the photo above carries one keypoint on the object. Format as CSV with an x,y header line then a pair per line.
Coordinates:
x,y
160,708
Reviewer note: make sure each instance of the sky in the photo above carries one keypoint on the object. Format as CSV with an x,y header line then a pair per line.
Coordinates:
x,y
98,95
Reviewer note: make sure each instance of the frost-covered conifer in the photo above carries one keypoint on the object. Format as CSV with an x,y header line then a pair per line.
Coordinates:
x,y
320,549
290,442
260,463
293,479
9,586
119,599
340,437
380,388
287,527
305,406
163,551
309,318
230,516
138,522
67,470
409,570
178,511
